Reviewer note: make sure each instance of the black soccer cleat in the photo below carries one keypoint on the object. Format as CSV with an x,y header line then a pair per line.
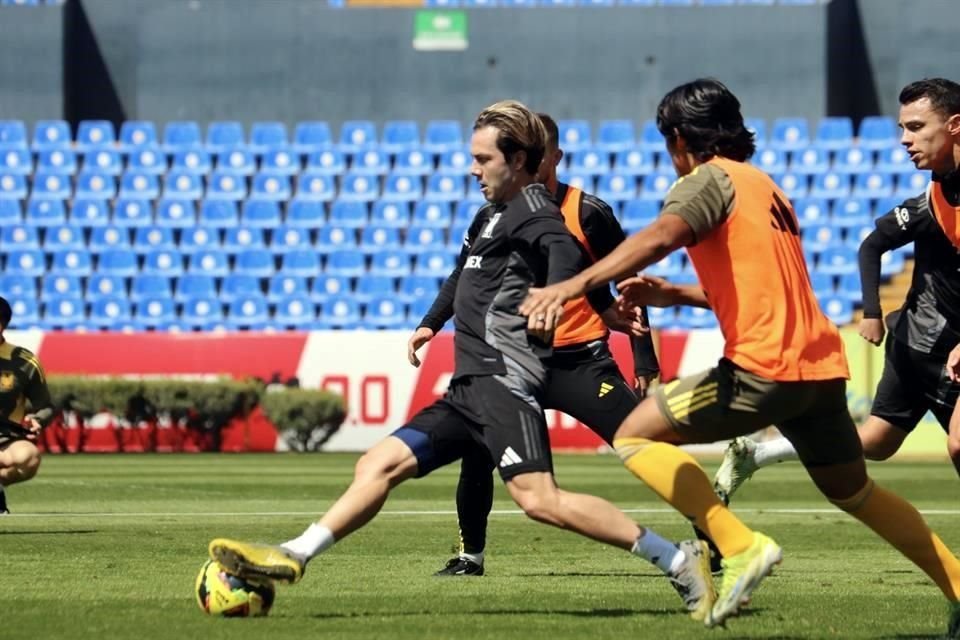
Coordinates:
x,y
3,504
460,567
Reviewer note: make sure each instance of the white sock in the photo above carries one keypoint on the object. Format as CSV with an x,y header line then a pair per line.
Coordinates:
x,y
663,553
313,541
476,558
774,451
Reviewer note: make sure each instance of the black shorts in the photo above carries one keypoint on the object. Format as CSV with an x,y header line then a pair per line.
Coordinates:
x,y
586,383
11,432
913,383
501,414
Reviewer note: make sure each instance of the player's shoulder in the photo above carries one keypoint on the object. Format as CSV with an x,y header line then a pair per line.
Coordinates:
x,y
593,204
22,354
533,198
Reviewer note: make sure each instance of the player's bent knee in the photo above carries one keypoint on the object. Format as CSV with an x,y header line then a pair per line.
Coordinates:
x,y
626,448
390,460
538,502
854,502
23,454
953,447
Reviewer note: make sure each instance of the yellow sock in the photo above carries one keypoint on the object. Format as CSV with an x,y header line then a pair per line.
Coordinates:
x,y
899,523
677,478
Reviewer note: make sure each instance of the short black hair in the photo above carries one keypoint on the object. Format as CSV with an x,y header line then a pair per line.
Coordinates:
x,y
553,131
707,115
6,314
944,95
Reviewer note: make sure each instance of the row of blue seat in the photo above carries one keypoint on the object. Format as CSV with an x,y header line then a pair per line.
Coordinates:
x,y
523,3
439,136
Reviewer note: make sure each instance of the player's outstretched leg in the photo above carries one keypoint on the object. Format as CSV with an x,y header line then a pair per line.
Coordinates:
x,y
474,501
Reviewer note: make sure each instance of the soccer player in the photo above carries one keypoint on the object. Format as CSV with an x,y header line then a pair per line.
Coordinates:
x,y
22,381
584,381
495,396
783,361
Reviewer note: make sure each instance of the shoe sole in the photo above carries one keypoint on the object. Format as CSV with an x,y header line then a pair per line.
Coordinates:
x,y
238,564
771,558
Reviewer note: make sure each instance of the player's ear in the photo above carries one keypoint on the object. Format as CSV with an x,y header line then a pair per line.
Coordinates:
x,y
559,156
519,160
953,124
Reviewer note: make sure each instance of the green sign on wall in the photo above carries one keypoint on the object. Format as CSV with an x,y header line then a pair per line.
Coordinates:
x,y
440,31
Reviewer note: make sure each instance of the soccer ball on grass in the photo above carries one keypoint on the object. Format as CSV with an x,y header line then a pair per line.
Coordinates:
x,y
222,594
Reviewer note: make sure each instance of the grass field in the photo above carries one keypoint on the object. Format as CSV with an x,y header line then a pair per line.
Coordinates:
x,y
108,547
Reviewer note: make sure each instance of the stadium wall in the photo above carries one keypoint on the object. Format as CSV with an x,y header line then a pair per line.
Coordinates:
x,y
381,392
31,62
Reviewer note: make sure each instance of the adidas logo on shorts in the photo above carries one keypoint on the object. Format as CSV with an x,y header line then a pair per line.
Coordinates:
x,y
510,457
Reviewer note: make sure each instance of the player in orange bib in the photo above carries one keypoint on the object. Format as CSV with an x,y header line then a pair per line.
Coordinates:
x,y
783,361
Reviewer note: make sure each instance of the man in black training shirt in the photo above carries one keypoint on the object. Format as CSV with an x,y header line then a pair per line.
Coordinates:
x,y
494,399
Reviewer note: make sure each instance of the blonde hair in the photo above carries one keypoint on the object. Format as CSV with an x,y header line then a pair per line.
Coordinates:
x,y
519,130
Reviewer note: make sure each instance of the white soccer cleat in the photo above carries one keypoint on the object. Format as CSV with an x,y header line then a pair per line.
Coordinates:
x,y
739,464
693,580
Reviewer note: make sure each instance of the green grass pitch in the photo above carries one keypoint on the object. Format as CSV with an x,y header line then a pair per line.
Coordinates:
x,y
108,547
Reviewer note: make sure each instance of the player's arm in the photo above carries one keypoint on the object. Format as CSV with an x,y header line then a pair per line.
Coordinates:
x,y
894,229
36,392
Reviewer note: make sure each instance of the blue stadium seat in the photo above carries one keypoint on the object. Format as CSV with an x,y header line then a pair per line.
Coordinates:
x,y
26,313
301,262
818,237
189,186
148,286
57,161
878,133
423,239
266,136
109,237
809,162
790,134
401,188
312,136
466,211
368,287
237,285
638,214
155,312
13,134
181,136
830,185
400,136
17,285
339,313
49,135
148,160
12,186
221,186
650,137
574,135
434,263
911,183
873,184
284,285
255,262
64,237
822,284
838,261
201,313
132,212
894,160
892,263
327,286
93,184
296,312
432,214
10,212
670,265
851,212
192,161
152,237
77,262
771,160
43,212
696,318
224,136
329,162
238,162
759,128
615,135
95,134
377,238
213,262
64,313
852,160
455,162
444,188
268,186
418,163
589,162
16,161
349,263
248,312
662,317
135,134
137,184
260,214
238,239
811,210
19,236
850,288
390,214
357,135
416,287
855,235
633,162
384,312
348,214
833,133
176,213
108,161
885,205
317,187
163,263
199,239
391,263
839,310
616,188
121,263
656,185
105,287
279,162
441,136
61,285
51,185
305,214
456,238
110,313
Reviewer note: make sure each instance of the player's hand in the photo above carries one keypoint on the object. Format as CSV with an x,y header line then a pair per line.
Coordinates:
x,y
953,364
32,425
641,384
543,308
872,330
420,337
627,320
644,290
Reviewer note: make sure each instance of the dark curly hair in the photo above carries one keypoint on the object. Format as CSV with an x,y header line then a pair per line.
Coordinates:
x,y
707,115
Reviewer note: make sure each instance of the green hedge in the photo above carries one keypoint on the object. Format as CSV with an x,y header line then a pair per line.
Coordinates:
x,y
306,417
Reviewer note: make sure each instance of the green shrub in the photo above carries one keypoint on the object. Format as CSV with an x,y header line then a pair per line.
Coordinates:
x,y
305,418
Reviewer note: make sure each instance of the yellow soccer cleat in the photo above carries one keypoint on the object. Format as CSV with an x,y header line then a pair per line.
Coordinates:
x,y
742,574
257,562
